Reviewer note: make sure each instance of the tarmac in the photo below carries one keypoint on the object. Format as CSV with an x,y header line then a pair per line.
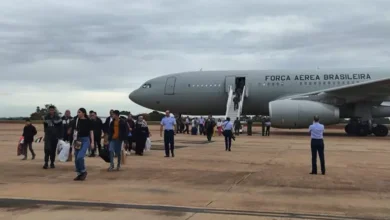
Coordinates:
x,y
261,178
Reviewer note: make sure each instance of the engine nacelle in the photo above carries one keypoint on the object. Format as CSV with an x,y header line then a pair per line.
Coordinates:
x,y
300,113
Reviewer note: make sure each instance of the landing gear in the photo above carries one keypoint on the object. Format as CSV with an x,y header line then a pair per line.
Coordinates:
x,y
380,131
361,129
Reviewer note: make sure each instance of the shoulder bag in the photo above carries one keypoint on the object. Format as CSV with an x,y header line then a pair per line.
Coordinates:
x,y
76,142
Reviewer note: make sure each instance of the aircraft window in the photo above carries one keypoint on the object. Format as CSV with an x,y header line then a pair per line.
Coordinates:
x,y
338,82
314,83
215,85
305,83
146,85
300,83
281,84
334,83
357,81
189,85
205,85
343,82
273,84
277,84
219,85
201,85
309,83
197,85
264,84
324,83
268,84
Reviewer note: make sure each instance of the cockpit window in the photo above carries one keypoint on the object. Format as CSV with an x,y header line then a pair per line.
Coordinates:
x,y
146,86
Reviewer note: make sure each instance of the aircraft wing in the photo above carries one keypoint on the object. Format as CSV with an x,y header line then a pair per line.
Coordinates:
x,y
373,90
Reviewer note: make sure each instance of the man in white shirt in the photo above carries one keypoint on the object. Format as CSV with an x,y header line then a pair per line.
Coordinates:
x,y
227,127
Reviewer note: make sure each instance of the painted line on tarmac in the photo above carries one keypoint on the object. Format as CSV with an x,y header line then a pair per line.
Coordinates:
x,y
20,202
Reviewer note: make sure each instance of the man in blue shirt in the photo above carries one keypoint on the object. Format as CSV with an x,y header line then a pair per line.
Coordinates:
x,y
317,144
227,127
168,123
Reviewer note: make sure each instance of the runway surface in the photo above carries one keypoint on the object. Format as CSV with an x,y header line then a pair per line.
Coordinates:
x,y
262,178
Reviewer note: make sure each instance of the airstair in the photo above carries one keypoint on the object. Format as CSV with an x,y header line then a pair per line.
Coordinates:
x,y
230,112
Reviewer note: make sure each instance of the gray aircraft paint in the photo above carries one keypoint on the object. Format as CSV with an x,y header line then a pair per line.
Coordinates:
x,y
187,92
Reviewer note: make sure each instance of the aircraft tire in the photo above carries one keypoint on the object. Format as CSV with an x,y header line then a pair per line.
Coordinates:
x,y
362,130
380,131
350,129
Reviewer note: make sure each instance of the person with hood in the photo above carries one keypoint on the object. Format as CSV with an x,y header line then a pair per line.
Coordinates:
x,y
117,134
53,131
141,134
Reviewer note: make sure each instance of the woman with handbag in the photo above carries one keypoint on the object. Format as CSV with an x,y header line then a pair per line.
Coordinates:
x,y
83,138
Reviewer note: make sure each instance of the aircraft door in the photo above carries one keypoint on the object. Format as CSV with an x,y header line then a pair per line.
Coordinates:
x,y
170,86
230,81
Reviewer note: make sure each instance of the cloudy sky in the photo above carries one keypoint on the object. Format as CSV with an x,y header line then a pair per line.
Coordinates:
x,y
93,53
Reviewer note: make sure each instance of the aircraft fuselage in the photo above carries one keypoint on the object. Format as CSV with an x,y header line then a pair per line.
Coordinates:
x,y
206,92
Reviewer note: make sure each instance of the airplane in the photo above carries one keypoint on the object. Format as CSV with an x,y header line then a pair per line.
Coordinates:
x,y
289,97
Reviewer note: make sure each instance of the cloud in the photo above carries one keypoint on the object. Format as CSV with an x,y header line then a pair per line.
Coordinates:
x,y
55,51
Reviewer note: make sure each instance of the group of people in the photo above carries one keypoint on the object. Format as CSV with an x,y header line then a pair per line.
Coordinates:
x,y
84,132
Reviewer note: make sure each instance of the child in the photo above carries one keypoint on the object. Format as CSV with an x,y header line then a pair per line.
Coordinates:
x,y
29,132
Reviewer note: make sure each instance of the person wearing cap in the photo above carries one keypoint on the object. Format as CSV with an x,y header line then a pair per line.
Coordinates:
x,y
168,124
227,127
317,145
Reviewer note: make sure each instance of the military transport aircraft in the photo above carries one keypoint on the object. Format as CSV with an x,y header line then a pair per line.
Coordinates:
x,y
290,97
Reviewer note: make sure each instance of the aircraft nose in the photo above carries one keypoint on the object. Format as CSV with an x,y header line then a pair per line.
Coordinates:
x,y
133,96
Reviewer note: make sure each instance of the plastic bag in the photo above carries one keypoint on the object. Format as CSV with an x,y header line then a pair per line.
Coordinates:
x,y
60,145
148,144
20,146
64,153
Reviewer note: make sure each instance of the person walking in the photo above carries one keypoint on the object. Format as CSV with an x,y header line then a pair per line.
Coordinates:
x,y
210,127
53,131
317,145
97,125
83,139
219,127
130,136
168,124
141,134
268,127
29,131
117,134
227,127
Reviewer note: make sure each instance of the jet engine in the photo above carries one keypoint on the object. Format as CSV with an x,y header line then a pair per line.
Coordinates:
x,y
300,113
